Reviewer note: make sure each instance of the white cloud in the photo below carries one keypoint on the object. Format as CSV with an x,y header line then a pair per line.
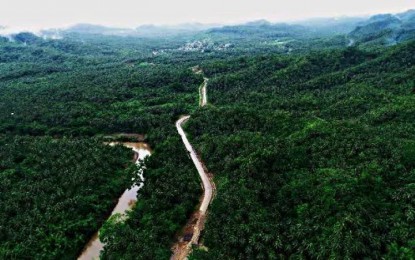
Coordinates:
x,y
34,14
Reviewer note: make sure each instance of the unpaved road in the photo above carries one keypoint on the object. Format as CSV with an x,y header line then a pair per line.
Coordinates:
x,y
207,186
196,222
202,93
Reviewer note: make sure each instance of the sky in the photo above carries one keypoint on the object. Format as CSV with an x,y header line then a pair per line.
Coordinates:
x,y
36,14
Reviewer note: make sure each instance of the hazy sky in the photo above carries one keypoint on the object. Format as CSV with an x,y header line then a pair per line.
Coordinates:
x,y
130,13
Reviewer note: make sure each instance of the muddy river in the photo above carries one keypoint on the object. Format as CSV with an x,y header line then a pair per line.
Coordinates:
x,y
125,202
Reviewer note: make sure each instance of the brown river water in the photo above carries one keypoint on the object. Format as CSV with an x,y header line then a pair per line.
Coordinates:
x,y
127,200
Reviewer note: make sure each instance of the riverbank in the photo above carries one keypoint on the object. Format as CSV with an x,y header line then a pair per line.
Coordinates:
x,y
125,203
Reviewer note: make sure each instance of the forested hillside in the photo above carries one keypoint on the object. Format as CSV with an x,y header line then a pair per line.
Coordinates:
x,y
311,142
60,101
313,155
56,193
385,29
169,196
54,92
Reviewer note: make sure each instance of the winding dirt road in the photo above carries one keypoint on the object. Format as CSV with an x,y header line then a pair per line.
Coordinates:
x,y
207,182
207,186
196,222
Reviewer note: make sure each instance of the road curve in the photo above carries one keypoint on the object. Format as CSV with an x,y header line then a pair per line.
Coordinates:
x,y
202,93
196,222
207,186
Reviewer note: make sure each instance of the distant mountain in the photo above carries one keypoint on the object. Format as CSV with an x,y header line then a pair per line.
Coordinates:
x,y
141,31
316,27
386,29
408,20
260,29
26,38
261,22
172,30
407,16
97,29
336,25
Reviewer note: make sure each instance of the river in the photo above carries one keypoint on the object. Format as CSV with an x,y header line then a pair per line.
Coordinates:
x,y
127,200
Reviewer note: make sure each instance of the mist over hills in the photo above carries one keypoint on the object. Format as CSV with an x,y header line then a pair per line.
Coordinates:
x,y
339,25
384,29
148,30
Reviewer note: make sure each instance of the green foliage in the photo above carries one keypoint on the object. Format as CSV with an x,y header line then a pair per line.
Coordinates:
x,y
105,99
311,145
313,158
70,90
169,196
55,193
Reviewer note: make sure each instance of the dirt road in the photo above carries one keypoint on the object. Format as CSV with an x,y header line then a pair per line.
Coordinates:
x,y
196,222
207,186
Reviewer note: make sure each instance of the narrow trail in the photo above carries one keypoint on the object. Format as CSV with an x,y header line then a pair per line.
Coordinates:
x,y
191,232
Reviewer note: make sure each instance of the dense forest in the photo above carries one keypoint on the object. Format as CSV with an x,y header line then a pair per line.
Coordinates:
x,y
170,194
59,106
313,155
311,140
55,193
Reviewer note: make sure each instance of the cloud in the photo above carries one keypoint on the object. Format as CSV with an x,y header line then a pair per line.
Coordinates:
x,y
34,15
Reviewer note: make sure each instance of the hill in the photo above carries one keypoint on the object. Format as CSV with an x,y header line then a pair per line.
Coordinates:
x,y
387,29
